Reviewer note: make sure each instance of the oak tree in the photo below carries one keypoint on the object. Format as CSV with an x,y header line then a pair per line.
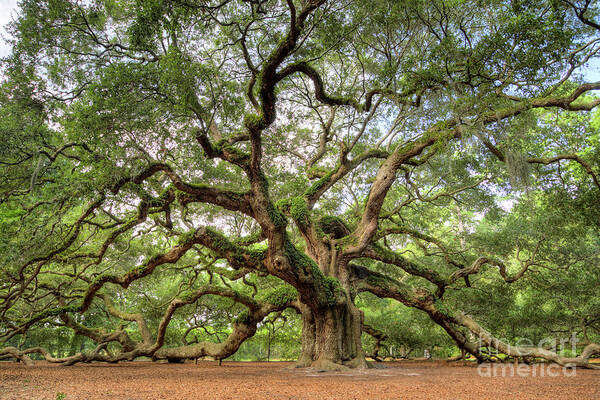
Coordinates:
x,y
291,155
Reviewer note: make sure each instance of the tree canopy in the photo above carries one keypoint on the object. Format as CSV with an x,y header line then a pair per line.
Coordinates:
x,y
171,166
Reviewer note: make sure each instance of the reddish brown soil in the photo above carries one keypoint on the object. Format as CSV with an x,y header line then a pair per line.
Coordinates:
x,y
236,380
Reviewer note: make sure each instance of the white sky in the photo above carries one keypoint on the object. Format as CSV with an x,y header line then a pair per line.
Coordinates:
x,y
7,9
592,71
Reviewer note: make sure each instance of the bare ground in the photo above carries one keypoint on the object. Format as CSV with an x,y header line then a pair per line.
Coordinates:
x,y
237,380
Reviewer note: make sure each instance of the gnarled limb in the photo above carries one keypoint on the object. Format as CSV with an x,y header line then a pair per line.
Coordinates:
x,y
379,337
544,160
79,357
520,351
380,253
133,317
230,200
387,287
477,264
99,335
13,352
243,328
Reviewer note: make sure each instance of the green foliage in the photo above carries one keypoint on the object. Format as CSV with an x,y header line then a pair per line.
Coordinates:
x,y
299,210
280,295
253,122
131,129
319,184
409,332
242,318
277,217
333,226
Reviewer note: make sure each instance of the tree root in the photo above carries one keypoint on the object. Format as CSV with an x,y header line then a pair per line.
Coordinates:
x,y
358,363
302,362
323,365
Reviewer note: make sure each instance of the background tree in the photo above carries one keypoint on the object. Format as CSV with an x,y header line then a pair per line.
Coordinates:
x,y
162,158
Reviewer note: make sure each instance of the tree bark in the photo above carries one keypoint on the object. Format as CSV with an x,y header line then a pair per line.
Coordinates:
x,y
331,338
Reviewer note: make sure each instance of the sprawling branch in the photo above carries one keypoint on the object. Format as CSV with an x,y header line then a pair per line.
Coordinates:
x,y
581,11
230,200
379,337
237,256
365,280
520,351
304,68
244,327
319,187
544,160
70,360
99,335
448,130
380,253
133,317
481,261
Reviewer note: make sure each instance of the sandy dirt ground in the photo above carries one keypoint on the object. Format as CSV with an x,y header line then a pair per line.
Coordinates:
x,y
238,380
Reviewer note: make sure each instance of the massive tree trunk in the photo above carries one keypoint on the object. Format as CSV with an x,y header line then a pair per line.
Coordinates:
x,y
331,323
331,338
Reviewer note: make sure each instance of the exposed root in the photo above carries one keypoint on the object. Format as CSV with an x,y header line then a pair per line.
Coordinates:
x,y
357,363
322,365
303,362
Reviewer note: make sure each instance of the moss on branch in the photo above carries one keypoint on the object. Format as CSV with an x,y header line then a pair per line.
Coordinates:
x,y
319,184
280,296
238,254
296,208
276,216
328,289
